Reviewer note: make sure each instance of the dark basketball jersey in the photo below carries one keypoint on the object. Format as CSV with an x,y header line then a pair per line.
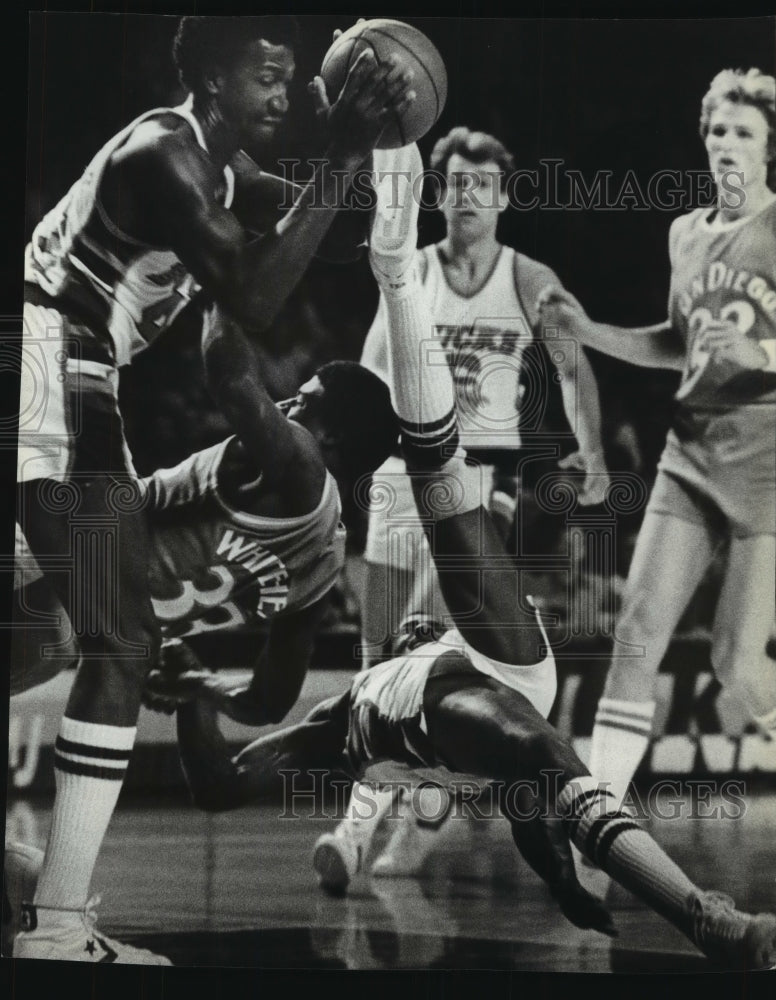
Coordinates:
x,y
213,567
724,272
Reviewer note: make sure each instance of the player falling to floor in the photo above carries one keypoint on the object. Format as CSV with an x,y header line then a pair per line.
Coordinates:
x,y
482,298
243,534
166,208
716,480
476,699
238,539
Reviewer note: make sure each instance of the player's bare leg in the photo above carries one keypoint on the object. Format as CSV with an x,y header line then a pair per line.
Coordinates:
x,y
669,561
742,628
487,729
118,637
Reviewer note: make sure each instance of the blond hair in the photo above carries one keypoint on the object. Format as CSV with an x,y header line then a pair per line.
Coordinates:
x,y
744,87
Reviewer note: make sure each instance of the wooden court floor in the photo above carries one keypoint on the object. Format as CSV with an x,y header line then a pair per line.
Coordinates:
x,y
238,890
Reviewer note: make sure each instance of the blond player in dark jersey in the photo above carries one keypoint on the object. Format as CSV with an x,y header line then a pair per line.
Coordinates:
x,y
476,698
164,209
716,481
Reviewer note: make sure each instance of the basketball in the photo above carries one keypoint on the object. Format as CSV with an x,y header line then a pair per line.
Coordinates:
x,y
21,870
418,54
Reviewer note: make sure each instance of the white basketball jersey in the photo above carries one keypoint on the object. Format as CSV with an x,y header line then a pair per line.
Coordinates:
x,y
484,336
125,287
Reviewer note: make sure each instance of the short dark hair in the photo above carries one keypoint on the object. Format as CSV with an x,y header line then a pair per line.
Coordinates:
x,y
356,406
479,147
204,42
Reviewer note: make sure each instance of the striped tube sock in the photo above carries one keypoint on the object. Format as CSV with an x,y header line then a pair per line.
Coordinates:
x,y
420,378
615,842
90,761
621,736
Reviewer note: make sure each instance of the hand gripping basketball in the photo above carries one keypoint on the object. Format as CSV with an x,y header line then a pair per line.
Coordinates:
x,y
391,43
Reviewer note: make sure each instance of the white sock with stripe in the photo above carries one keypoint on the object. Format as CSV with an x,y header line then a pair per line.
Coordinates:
x,y
621,736
421,382
90,762
615,842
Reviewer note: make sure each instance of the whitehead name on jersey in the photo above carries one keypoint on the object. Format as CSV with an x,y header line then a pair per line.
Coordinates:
x,y
215,568
484,336
725,272
125,291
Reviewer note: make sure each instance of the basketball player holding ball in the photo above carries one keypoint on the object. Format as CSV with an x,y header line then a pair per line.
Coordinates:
x,y
164,212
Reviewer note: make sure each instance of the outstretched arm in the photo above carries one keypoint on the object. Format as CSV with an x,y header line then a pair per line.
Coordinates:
x,y
581,402
655,346
578,386
218,781
278,674
263,696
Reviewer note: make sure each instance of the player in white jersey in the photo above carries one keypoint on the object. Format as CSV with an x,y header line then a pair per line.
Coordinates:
x,y
167,207
716,481
482,298
475,699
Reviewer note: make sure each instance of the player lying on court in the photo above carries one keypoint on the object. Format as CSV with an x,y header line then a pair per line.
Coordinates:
x,y
474,700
